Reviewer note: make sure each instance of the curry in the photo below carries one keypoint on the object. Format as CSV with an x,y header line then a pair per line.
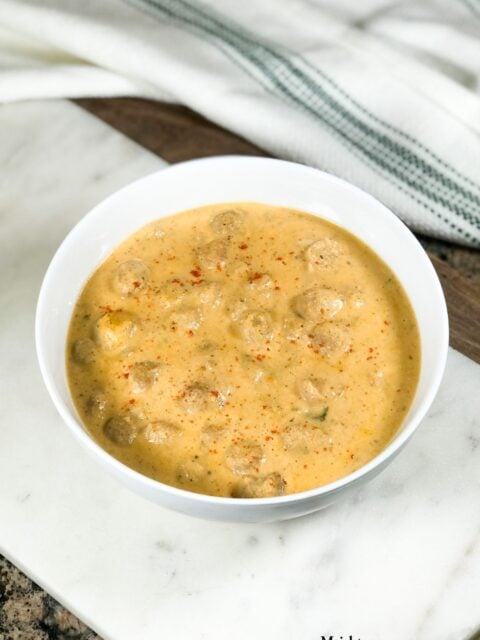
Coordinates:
x,y
243,350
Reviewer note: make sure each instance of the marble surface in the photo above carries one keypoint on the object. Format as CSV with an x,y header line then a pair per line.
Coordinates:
x,y
400,559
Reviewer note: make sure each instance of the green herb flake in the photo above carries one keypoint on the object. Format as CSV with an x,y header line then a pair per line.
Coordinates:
x,y
322,415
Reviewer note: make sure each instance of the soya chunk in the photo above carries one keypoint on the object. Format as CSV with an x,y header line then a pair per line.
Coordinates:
x,y
228,223
294,329
186,318
311,390
199,397
317,392
236,307
161,432
143,375
83,351
97,406
295,437
171,293
267,486
211,434
114,330
130,277
261,289
255,327
191,472
207,294
213,255
318,303
332,339
244,457
322,254
122,430
299,437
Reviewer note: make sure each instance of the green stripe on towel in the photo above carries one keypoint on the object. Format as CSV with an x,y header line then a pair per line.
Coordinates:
x,y
410,166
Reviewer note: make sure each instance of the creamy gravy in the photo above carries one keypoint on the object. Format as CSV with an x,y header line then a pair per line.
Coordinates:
x,y
243,350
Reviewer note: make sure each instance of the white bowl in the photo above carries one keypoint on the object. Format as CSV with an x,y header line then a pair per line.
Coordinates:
x,y
233,179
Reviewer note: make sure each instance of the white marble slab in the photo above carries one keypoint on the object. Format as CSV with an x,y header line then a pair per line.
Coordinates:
x,y
400,560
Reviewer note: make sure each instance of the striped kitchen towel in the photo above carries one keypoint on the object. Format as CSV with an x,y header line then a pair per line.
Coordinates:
x,y
384,94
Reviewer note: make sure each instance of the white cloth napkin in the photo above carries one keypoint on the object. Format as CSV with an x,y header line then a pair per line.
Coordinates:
x,y
384,94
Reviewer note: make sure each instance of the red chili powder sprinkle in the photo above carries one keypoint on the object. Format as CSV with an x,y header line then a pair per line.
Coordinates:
x,y
243,246
196,273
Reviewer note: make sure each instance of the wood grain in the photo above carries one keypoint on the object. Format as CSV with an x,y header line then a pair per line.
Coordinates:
x,y
176,133
173,132
463,302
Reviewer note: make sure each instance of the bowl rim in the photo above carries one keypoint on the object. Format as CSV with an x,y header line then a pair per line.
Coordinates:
x,y
395,445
